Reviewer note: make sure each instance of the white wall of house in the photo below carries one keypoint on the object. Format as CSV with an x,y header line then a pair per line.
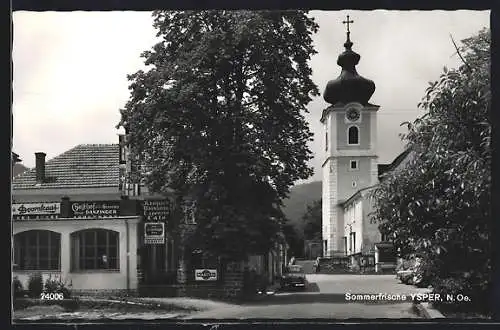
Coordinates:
x,y
89,279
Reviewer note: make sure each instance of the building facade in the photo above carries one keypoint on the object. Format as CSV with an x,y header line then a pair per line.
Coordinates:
x,y
84,217
350,154
351,171
78,218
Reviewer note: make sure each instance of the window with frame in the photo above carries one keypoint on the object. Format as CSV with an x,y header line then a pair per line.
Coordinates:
x,y
326,141
353,165
345,244
353,135
350,242
37,250
95,249
353,242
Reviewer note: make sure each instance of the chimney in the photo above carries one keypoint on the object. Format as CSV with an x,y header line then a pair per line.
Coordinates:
x,y
40,166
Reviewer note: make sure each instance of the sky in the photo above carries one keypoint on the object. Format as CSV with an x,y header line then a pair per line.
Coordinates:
x,y
70,71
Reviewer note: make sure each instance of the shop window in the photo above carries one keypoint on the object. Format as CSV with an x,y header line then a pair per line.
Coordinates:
x,y
37,250
95,249
353,135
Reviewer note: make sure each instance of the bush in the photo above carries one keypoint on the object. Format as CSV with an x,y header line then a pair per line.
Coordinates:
x,y
57,286
17,287
35,285
454,286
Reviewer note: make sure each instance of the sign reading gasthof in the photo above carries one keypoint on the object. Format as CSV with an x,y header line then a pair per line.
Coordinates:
x,y
32,209
154,233
205,274
95,209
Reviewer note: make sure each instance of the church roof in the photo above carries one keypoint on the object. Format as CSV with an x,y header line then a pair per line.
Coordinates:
x,y
349,86
357,194
383,169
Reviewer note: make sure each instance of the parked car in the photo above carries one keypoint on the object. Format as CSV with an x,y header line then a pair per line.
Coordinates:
x,y
422,274
294,277
405,275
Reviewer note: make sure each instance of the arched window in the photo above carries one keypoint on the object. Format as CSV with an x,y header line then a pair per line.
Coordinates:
x,y
37,250
94,249
353,135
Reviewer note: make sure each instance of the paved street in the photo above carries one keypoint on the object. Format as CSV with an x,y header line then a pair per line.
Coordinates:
x,y
325,298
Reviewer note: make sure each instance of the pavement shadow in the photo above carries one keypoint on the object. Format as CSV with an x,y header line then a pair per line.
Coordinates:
x,y
310,287
315,297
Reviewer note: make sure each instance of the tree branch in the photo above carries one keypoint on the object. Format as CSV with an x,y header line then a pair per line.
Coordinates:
x,y
460,55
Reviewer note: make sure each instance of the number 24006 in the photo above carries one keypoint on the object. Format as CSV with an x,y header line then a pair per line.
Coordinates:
x,y
51,296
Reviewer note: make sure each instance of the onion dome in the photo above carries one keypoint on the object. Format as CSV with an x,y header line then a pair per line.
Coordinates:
x,y
349,86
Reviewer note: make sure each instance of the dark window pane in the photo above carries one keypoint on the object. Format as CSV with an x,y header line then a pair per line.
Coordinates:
x,y
89,251
113,251
54,252
353,135
43,251
113,263
103,263
90,238
89,263
101,237
43,238
32,253
31,238
54,264
55,240
44,263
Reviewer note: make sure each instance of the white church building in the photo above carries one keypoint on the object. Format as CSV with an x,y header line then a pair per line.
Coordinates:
x,y
350,167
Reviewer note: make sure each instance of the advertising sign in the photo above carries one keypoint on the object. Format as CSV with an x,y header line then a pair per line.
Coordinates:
x,y
36,209
156,210
95,209
154,233
205,274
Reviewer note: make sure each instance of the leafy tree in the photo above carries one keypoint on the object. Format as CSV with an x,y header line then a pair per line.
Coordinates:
x,y
218,121
439,204
294,240
312,221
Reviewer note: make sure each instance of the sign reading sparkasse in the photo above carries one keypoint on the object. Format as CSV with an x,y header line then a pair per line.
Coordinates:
x,y
95,209
26,209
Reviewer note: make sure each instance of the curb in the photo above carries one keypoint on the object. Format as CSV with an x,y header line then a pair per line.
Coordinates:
x,y
425,310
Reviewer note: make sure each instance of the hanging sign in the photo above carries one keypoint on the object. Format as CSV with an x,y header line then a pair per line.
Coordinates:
x,y
154,233
30,210
156,210
95,209
205,274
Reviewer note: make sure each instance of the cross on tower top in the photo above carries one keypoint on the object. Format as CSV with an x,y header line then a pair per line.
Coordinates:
x,y
347,22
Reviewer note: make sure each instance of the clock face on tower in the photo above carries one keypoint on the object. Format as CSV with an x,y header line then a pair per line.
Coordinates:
x,y
352,114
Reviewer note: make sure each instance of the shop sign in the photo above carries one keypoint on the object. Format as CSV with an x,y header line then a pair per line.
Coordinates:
x,y
95,209
205,274
156,210
32,209
154,233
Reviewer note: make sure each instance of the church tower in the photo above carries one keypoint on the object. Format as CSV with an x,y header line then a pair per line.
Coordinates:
x,y
350,153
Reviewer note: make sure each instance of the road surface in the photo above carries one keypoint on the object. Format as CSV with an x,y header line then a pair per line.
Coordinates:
x,y
325,297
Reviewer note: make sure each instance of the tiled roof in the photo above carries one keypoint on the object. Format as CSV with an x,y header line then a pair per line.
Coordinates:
x,y
18,169
86,165
385,168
